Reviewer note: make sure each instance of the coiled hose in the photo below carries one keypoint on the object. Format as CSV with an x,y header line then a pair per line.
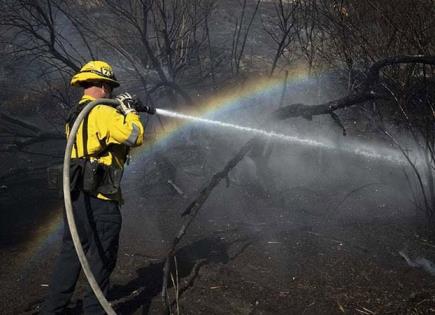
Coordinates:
x,y
68,205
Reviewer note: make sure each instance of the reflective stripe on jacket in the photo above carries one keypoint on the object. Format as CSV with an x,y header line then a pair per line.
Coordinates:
x,y
108,136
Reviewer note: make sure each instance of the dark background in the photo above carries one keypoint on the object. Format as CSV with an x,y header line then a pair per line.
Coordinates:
x,y
294,229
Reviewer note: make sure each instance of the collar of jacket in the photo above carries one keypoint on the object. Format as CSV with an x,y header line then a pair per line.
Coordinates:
x,y
87,98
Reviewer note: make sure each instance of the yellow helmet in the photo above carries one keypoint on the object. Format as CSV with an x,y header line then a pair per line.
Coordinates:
x,y
95,71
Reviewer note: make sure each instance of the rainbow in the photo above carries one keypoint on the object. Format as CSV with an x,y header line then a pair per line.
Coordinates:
x,y
46,234
227,100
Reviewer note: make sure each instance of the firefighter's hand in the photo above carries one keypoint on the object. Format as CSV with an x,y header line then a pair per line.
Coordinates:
x,y
127,103
133,104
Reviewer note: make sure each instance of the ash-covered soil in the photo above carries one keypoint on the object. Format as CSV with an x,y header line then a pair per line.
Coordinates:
x,y
319,245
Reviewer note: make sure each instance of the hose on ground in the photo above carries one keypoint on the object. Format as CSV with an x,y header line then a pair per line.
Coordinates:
x,y
68,205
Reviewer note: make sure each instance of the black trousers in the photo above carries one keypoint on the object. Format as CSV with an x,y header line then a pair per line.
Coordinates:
x,y
98,225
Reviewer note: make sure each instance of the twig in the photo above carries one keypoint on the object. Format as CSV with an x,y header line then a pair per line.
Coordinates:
x,y
340,307
350,193
189,280
176,285
177,189
364,310
129,297
326,238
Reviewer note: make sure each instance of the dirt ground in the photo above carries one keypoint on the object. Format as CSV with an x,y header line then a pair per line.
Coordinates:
x,y
278,265
246,253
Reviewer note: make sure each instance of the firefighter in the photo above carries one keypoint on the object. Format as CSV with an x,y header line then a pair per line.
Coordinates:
x,y
101,148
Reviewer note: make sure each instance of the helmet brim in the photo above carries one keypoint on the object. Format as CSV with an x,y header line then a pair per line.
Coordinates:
x,y
81,77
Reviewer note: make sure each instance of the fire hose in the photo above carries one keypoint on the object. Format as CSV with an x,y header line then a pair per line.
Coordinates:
x,y
68,205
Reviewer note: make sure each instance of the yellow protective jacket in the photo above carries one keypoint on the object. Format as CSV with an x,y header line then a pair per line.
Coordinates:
x,y
109,135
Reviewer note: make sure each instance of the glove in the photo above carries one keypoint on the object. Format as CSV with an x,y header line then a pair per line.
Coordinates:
x,y
126,103
133,104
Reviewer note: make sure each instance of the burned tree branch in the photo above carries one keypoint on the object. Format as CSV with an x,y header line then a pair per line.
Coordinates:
x,y
41,137
307,111
192,210
19,122
28,132
338,122
194,206
34,22
373,73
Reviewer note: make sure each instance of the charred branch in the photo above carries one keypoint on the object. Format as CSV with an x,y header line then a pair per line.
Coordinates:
x,y
338,122
41,137
374,71
192,210
307,111
35,21
25,133
19,122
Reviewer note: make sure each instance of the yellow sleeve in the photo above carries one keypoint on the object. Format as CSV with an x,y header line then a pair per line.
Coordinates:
x,y
115,128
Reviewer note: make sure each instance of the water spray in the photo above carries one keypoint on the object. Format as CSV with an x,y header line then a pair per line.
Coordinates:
x,y
391,157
